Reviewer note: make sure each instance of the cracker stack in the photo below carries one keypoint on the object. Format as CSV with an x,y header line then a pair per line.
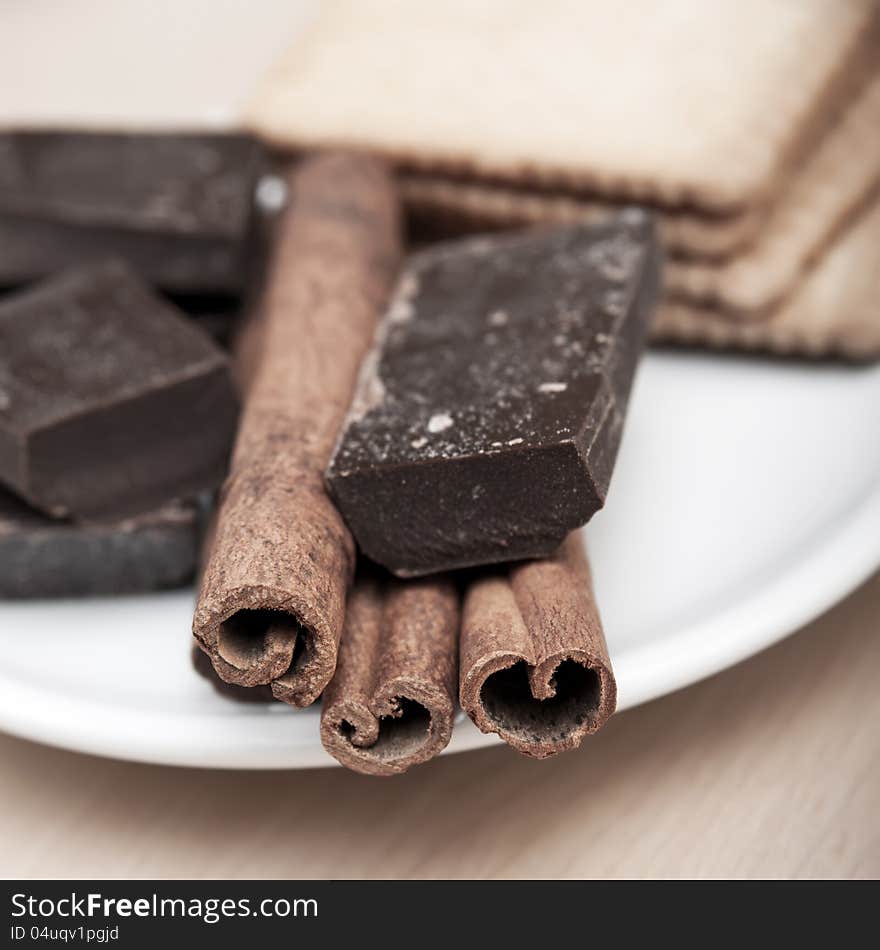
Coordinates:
x,y
753,128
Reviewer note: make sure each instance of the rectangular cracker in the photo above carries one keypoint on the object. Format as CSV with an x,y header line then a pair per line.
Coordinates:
x,y
834,312
836,182
840,179
743,258
445,207
569,95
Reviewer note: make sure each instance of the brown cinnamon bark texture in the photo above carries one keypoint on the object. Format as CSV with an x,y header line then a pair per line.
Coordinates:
x,y
391,702
534,662
272,598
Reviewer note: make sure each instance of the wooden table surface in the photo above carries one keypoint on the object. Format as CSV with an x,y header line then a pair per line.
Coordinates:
x,y
770,769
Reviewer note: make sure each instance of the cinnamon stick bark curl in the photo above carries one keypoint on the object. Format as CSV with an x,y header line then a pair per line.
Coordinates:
x,y
391,703
534,662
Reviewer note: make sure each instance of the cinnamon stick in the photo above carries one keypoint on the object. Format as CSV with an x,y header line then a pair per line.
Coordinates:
x,y
534,662
272,599
391,702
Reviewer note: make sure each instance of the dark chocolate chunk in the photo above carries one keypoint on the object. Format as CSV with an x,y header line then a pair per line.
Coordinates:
x,y
488,415
111,401
178,208
40,557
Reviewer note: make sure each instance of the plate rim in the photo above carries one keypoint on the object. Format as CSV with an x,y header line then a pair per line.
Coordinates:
x,y
829,573
844,552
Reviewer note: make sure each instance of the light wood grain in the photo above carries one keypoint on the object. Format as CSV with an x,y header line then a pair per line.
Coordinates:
x,y
771,769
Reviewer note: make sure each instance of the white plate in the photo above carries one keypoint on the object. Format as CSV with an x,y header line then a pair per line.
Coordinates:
x,y
746,500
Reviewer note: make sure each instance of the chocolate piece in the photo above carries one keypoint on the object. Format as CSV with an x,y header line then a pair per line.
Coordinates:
x,y
534,662
488,415
178,208
272,600
243,694
391,702
41,557
111,402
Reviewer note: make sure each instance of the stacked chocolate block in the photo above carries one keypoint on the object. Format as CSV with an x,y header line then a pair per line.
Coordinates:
x,y
117,408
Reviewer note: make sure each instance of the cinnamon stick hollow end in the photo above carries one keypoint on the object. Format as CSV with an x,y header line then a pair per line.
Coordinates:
x,y
272,599
391,703
534,662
